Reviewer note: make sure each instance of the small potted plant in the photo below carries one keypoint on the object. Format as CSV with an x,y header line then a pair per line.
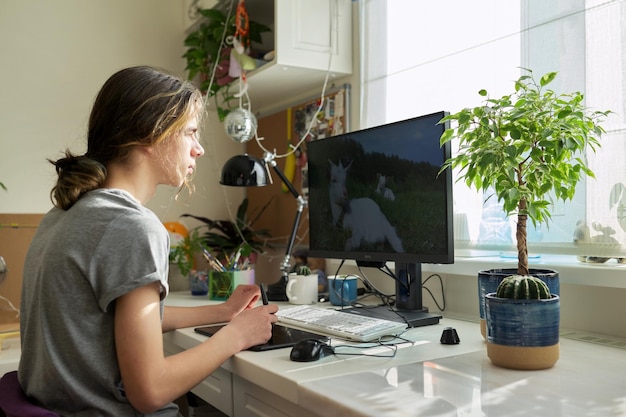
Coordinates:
x,y
303,270
183,256
528,147
523,324
302,286
227,237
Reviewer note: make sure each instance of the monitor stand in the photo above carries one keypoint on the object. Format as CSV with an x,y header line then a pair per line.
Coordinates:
x,y
408,307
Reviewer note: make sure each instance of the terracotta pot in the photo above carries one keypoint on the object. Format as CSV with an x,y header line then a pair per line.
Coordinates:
x,y
522,334
489,279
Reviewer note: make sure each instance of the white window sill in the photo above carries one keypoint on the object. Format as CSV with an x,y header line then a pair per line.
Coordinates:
x,y
571,271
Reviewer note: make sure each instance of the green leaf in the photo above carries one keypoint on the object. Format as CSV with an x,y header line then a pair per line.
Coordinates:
x,y
547,78
515,133
447,136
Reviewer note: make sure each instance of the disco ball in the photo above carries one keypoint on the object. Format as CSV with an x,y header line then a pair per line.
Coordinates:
x,y
240,125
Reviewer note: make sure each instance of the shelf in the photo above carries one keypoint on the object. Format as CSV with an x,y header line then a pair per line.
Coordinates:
x,y
304,31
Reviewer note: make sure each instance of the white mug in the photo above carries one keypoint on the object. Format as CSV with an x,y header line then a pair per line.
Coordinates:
x,y
302,289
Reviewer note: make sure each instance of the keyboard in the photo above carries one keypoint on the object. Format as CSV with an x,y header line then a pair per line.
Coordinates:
x,y
336,323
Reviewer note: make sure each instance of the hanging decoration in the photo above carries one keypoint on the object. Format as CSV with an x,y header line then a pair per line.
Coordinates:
x,y
241,124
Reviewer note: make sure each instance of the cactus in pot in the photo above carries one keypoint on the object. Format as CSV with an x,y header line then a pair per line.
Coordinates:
x,y
522,319
523,287
303,270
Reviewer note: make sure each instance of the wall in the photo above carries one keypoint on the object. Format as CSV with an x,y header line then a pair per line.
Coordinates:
x,y
55,57
59,55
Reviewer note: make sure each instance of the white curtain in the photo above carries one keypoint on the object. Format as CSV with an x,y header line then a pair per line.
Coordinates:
x,y
419,57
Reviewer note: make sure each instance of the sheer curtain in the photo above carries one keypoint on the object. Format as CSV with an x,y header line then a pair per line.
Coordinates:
x,y
421,57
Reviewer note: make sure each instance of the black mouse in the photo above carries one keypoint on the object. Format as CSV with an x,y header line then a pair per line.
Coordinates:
x,y
310,350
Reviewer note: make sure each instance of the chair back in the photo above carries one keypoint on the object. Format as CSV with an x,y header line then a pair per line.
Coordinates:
x,y
15,403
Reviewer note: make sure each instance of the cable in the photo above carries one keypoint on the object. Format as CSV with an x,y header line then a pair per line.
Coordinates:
x,y
11,306
219,51
443,295
385,299
367,284
389,342
389,299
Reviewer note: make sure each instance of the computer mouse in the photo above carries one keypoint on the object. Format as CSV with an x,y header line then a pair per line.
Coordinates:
x,y
310,350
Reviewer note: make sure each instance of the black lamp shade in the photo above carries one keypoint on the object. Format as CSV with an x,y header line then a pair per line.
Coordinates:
x,y
244,171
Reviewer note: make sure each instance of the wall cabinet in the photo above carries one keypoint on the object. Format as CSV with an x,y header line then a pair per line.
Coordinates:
x,y
309,38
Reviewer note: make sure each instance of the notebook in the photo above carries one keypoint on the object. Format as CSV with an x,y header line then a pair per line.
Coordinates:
x,y
281,336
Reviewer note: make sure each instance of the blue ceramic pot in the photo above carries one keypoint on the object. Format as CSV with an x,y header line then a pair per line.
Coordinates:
x,y
489,279
526,323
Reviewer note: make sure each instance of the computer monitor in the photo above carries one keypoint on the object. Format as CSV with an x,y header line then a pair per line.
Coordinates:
x,y
376,196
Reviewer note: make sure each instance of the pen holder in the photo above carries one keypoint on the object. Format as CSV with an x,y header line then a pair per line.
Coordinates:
x,y
222,283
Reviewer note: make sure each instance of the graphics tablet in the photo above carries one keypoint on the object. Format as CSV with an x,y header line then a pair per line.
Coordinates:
x,y
281,336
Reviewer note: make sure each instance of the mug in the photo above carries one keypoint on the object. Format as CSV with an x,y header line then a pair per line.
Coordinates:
x,y
302,289
342,289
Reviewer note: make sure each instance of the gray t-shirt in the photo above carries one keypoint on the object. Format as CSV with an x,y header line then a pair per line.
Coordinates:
x,y
79,262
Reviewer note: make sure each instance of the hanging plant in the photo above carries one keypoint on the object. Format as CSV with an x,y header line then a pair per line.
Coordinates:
x,y
209,50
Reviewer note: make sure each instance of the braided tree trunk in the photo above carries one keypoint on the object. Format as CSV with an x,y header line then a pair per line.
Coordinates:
x,y
520,235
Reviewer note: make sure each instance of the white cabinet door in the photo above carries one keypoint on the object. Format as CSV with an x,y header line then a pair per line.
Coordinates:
x,y
253,401
313,33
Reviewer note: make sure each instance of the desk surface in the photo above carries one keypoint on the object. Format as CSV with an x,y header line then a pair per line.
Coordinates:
x,y
431,379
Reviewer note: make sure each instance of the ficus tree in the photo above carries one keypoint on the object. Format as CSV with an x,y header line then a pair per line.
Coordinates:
x,y
529,147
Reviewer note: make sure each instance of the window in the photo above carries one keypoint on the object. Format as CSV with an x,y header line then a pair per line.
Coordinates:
x,y
422,57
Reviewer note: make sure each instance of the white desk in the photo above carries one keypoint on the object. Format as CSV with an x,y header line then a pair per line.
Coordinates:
x,y
426,379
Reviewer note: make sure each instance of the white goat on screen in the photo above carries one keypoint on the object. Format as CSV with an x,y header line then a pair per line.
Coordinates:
x,y
362,216
382,189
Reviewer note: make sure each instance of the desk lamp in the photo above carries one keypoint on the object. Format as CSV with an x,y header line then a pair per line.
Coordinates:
x,y
249,171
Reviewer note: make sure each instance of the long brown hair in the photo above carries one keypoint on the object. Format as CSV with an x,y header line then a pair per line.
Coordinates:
x,y
137,106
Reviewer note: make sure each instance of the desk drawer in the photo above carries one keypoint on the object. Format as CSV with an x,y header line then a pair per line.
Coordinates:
x,y
251,400
217,390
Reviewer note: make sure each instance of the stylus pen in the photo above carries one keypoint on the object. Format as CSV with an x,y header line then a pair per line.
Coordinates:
x,y
264,295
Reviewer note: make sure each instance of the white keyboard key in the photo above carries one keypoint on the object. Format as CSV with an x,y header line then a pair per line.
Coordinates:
x,y
337,323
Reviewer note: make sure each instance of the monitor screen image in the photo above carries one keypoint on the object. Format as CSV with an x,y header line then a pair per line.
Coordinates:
x,y
376,195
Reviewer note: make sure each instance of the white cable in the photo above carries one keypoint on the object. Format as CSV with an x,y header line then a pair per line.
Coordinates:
x,y
219,51
11,306
334,17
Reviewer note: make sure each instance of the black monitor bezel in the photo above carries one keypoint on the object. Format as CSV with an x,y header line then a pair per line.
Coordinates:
x,y
368,258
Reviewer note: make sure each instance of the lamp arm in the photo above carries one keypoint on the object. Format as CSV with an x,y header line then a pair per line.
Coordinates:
x,y
285,265
284,179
